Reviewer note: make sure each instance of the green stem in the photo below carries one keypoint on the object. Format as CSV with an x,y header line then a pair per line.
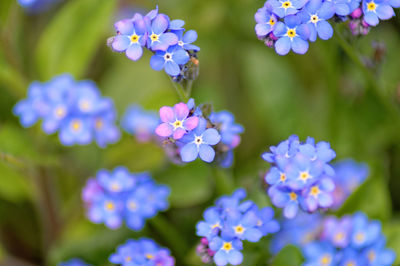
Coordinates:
x,y
10,159
180,91
369,76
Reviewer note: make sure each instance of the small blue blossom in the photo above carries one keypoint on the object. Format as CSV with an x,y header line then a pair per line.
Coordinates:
x,y
378,255
283,8
170,60
143,251
292,35
37,6
230,221
199,142
319,254
300,175
158,38
266,22
140,123
185,40
375,10
120,195
364,232
338,231
75,109
316,13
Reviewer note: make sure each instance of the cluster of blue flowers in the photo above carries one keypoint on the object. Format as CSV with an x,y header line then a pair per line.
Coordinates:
x,y
142,252
75,109
349,175
290,24
300,175
351,240
232,220
190,133
140,123
119,195
172,48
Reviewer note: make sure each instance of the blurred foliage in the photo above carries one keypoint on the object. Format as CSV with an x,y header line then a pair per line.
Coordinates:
x,y
323,94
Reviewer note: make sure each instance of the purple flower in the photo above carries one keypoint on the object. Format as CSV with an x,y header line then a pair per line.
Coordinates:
x,y
158,38
292,35
176,122
375,10
316,13
170,60
132,36
199,142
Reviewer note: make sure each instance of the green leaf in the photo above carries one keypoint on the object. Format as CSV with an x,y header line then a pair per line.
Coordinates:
x,y
190,185
372,197
73,37
288,256
14,186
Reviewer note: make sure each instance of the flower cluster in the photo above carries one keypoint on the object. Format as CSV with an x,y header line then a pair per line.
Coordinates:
x,y
349,175
290,24
142,252
140,123
190,133
228,223
300,175
115,196
74,262
173,49
298,231
75,109
351,240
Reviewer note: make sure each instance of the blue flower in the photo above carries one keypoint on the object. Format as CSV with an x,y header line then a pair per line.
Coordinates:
x,y
199,142
212,224
244,226
338,232
364,232
185,40
132,36
141,252
75,109
378,255
345,7
140,123
349,256
283,8
318,195
119,195
74,262
375,10
316,13
319,254
265,223
292,35
170,60
158,38
286,199
227,250
394,3
266,22
229,130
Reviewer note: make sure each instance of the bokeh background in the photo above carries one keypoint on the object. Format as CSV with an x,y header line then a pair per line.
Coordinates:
x,y
325,94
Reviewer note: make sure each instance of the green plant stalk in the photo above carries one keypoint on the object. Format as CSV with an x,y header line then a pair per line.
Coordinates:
x,y
371,80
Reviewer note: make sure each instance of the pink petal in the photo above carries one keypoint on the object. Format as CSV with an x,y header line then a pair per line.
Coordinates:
x,y
191,123
179,133
181,111
164,130
167,114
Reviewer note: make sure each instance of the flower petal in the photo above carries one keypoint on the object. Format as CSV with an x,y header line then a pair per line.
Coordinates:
x,y
180,56
191,123
325,30
190,36
172,68
282,46
299,45
120,43
178,133
189,152
384,11
206,153
160,24
134,52
211,136
157,62
167,114
125,27
164,130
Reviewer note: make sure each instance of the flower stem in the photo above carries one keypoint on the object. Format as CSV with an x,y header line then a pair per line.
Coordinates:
x,y
183,93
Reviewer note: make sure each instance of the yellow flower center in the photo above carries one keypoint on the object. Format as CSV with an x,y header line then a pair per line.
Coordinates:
x,y
215,226
314,19
293,196
339,236
115,187
350,263
286,4
326,259
371,6
99,123
371,255
84,105
128,259
132,206
110,206
239,229
60,112
177,124
149,256
154,37
272,22
134,38
304,176
282,178
76,125
314,191
227,246
291,33
360,237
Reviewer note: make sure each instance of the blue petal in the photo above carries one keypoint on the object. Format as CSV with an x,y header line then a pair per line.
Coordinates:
x,y
180,56
280,29
252,234
125,27
235,257
176,24
325,30
165,41
160,24
371,18
313,6
282,46
263,29
384,11
325,200
157,62
211,136
299,45
327,10
172,68
313,33
342,9
206,153
215,244
221,258
120,43
190,36
394,3
189,152
191,47
134,52
290,210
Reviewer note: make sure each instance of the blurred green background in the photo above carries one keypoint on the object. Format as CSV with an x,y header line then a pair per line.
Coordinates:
x,y
327,94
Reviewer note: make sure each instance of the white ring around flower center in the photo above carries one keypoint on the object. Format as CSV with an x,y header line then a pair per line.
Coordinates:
x,y
168,57
198,140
